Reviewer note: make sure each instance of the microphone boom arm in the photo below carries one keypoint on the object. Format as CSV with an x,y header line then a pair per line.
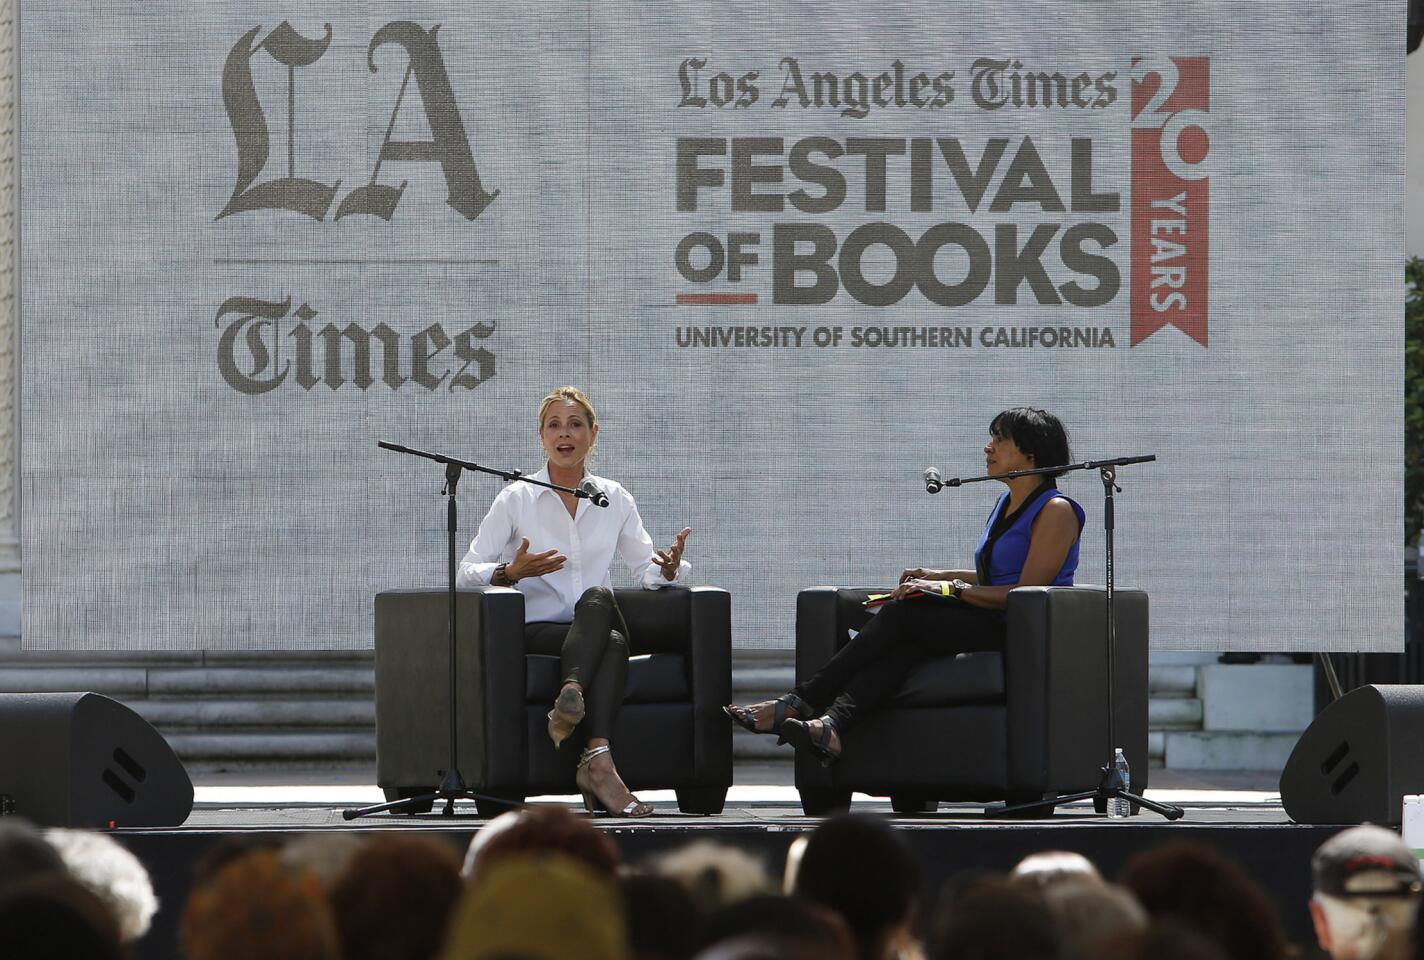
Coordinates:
x,y
509,475
1064,468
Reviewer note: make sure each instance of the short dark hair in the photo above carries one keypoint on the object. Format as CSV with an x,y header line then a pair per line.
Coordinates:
x,y
860,867
995,919
394,897
662,916
1192,883
1038,433
547,829
784,920
52,915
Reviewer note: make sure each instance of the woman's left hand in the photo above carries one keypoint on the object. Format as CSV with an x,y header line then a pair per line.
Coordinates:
x,y
908,587
671,558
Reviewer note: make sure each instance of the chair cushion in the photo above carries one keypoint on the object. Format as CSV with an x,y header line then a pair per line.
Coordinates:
x,y
652,678
964,678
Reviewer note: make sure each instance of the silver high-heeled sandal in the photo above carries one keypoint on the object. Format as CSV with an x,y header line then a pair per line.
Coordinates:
x,y
583,778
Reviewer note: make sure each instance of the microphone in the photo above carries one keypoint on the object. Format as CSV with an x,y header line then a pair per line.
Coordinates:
x,y
590,490
933,484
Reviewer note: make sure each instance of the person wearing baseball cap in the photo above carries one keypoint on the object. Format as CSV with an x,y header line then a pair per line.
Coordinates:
x,y
1367,885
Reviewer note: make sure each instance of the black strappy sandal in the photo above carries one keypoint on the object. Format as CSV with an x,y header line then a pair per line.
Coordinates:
x,y
778,713
798,734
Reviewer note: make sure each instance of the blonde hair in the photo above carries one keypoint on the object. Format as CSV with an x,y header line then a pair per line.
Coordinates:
x,y
113,874
715,874
573,394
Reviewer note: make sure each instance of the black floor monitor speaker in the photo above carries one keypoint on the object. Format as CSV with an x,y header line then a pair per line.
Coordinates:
x,y
83,760
1359,758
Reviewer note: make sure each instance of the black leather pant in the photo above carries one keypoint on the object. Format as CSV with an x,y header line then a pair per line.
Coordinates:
x,y
866,672
593,651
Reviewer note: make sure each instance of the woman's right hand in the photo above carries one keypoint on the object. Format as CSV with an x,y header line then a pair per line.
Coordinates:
x,y
916,573
526,564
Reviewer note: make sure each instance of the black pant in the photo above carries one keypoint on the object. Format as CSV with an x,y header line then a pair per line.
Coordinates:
x,y
593,651
867,671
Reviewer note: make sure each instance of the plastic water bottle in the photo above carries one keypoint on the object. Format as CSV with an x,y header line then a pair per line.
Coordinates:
x,y
1413,825
1118,808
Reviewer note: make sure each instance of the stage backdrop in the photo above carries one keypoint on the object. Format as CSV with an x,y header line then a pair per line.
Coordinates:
x,y
796,253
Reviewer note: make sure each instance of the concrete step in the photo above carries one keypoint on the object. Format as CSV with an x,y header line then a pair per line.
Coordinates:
x,y
1174,713
1258,698
1236,750
1171,679
177,715
227,681
11,653
111,681
325,746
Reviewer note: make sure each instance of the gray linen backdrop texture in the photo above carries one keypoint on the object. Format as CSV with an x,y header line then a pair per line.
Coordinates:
x,y
165,508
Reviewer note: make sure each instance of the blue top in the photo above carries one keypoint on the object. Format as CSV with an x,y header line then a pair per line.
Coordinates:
x,y
1003,548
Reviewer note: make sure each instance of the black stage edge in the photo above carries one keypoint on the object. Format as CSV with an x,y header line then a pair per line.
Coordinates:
x,y
949,846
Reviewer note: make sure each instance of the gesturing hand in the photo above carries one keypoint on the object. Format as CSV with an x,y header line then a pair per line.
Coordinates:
x,y
671,558
526,564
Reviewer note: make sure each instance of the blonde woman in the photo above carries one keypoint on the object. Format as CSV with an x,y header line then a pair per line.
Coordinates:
x,y
557,551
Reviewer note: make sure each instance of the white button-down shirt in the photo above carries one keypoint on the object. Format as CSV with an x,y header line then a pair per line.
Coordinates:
x,y
588,539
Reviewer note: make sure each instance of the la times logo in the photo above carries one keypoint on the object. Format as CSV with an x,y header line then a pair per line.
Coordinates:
x,y
255,334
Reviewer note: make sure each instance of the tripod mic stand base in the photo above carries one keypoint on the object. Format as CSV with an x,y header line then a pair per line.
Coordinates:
x,y
451,788
1100,796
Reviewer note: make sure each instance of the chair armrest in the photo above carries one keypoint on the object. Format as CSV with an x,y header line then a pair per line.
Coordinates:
x,y
1056,685
413,684
824,618
495,634
697,623
710,636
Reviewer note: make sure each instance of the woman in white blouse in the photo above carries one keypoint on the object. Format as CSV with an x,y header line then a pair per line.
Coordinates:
x,y
557,550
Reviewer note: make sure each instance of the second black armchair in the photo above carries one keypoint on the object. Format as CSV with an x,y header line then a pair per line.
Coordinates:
x,y
1016,725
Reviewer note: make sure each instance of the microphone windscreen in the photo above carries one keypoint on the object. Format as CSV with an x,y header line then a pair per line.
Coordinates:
x,y
595,496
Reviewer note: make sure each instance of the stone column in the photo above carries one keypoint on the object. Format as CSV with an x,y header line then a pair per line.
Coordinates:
x,y
9,321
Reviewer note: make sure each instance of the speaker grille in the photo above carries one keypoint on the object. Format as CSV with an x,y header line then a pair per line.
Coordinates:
x,y
1333,761
125,792
131,766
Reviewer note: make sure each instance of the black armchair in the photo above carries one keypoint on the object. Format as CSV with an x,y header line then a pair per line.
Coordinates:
x,y
1024,724
671,732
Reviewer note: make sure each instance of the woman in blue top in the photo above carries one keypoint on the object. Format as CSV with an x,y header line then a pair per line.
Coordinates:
x,y
1031,539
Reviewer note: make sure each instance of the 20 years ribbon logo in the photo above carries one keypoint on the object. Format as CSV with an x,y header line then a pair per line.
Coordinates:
x,y
1171,211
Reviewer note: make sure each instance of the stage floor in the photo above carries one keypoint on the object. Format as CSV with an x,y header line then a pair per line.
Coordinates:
x,y
761,796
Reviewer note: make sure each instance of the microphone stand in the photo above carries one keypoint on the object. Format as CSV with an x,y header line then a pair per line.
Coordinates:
x,y
452,785
1107,789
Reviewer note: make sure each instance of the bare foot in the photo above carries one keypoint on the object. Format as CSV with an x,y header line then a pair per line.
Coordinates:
x,y
763,715
816,726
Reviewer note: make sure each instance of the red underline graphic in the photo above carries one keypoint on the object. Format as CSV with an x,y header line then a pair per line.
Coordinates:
x,y
714,299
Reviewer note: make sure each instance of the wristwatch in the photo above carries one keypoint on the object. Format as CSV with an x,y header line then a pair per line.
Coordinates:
x,y
501,577
959,586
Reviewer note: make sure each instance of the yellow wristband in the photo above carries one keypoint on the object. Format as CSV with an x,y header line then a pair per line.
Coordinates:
x,y
943,589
